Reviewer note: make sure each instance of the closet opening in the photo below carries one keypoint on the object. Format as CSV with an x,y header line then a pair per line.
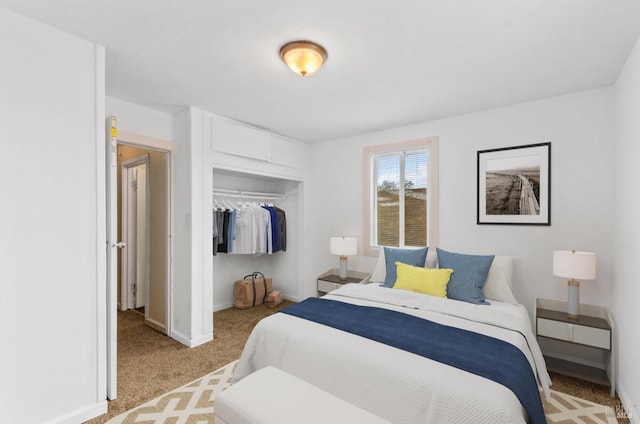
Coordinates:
x,y
236,191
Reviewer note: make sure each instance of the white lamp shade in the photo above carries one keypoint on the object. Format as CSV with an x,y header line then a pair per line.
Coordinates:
x,y
574,264
343,246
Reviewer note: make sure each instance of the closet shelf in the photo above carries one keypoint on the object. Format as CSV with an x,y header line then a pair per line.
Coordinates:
x,y
247,194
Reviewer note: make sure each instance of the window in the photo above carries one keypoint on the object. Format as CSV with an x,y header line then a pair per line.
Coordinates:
x,y
401,195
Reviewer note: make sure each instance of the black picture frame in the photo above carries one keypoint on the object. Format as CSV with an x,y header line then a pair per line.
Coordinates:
x,y
514,185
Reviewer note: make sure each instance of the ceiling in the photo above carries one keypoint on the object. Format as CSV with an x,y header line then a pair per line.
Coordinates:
x,y
391,63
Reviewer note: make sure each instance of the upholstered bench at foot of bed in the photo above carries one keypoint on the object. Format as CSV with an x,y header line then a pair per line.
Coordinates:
x,y
270,396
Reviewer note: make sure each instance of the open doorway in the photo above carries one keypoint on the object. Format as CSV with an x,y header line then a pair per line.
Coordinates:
x,y
134,291
144,225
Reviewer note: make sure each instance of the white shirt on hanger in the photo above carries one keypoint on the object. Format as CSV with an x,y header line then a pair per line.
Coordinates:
x,y
265,244
244,242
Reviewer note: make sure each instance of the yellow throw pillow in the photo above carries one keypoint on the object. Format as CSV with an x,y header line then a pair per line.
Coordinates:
x,y
422,280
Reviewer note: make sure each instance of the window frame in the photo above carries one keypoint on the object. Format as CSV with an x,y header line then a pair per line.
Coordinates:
x,y
430,144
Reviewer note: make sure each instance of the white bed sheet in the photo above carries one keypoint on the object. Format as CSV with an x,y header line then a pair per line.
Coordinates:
x,y
396,385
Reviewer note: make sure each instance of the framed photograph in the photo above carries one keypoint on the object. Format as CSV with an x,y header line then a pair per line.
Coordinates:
x,y
514,185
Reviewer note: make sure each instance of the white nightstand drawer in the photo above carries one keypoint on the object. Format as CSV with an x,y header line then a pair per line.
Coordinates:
x,y
575,333
592,336
553,329
327,286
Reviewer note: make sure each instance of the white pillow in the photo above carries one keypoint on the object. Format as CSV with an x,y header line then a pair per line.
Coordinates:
x,y
380,271
432,258
499,283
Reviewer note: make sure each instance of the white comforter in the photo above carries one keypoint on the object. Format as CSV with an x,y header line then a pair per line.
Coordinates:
x,y
399,386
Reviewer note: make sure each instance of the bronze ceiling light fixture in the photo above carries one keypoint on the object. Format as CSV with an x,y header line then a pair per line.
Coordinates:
x,y
303,57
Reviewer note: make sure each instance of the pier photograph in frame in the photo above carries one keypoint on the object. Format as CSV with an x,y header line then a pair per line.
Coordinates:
x,y
514,185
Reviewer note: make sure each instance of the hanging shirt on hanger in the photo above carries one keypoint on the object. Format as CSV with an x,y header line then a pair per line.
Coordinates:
x,y
214,231
222,240
244,242
282,226
231,231
263,233
275,228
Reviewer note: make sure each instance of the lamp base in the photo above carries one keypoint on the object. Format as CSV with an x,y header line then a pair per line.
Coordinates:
x,y
573,301
343,268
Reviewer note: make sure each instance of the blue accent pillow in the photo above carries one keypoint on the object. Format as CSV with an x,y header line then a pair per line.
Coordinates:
x,y
415,257
469,275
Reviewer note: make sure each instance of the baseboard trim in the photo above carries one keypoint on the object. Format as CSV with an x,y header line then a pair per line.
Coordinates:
x,y
631,412
82,415
205,338
221,306
293,298
155,325
227,305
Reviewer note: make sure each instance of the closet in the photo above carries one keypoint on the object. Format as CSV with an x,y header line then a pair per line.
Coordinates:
x,y
231,162
233,189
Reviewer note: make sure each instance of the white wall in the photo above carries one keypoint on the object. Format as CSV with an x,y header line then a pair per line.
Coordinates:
x,y
52,256
625,284
140,120
580,129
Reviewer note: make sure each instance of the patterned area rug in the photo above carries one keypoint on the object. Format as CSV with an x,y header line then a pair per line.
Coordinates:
x,y
567,409
193,403
189,404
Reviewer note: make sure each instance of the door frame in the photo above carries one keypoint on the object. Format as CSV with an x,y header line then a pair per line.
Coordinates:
x,y
125,284
167,147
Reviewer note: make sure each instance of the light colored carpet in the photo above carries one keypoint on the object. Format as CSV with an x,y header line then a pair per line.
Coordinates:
x,y
194,403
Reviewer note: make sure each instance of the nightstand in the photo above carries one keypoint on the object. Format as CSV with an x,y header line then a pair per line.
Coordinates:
x,y
330,280
582,348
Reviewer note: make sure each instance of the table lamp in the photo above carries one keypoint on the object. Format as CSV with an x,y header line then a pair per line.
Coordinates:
x,y
574,265
343,246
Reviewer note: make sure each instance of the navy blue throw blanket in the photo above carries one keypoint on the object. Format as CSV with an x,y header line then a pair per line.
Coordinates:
x,y
463,349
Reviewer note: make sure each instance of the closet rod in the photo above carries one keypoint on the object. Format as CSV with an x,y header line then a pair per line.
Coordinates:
x,y
247,194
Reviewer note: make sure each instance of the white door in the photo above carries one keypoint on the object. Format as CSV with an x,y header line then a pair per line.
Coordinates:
x,y
142,236
129,225
112,257
134,273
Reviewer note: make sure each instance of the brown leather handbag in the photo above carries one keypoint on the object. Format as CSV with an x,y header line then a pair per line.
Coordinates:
x,y
252,290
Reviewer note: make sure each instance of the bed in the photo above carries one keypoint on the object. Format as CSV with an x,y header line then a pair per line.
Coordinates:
x,y
395,384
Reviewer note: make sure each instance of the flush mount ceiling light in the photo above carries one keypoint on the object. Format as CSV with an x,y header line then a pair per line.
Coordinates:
x,y
303,57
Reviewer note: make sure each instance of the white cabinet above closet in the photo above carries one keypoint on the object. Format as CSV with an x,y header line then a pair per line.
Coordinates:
x,y
286,152
239,140
236,139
